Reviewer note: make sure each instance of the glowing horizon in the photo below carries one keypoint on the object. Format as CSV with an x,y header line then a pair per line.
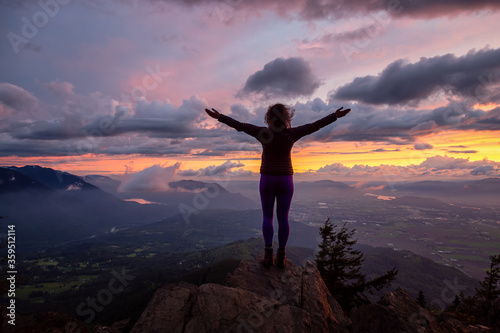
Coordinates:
x,y
128,92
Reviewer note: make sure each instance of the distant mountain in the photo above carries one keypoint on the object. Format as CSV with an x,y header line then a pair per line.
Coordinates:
x,y
318,190
485,192
50,207
421,202
325,184
191,185
415,272
71,185
105,183
54,179
197,195
14,181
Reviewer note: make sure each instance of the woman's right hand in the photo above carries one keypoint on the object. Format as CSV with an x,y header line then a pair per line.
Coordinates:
x,y
340,113
214,114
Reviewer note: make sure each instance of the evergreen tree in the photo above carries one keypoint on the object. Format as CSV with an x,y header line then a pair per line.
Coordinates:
x,y
489,285
457,303
340,267
421,301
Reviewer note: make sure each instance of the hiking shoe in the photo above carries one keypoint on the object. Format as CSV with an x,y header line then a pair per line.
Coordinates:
x,y
281,258
268,260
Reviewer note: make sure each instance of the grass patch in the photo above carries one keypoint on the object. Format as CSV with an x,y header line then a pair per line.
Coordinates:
x,y
52,287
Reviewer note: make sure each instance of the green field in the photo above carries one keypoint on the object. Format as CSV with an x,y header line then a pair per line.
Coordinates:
x,y
23,292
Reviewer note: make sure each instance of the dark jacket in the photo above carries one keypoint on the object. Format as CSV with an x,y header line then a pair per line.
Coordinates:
x,y
277,143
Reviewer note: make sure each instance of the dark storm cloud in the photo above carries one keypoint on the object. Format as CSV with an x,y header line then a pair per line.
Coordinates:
x,y
240,112
473,75
106,127
353,35
254,146
368,123
404,126
155,127
314,9
74,128
321,9
27,148
362,33
489,121
45,130
156,149
346,39
153,119
291,77
75,148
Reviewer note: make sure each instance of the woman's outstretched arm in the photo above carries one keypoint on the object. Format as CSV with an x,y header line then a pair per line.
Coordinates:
x,y
307,129
239,126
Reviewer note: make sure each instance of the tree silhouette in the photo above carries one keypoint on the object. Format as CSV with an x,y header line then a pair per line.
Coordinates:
x,y
421,299
340,267
490,283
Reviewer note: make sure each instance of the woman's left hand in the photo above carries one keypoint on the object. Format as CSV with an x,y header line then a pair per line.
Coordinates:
x,y
214,114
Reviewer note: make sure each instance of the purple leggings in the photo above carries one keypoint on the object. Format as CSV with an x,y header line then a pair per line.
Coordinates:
x,y
280,188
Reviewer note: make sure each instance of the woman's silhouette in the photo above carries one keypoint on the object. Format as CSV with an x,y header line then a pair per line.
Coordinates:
x,y
276,180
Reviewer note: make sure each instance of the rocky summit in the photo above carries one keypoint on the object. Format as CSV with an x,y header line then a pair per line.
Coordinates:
x,y
258,299
252,299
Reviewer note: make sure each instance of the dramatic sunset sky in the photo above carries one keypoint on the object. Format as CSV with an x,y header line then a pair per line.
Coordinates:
x,y
114,87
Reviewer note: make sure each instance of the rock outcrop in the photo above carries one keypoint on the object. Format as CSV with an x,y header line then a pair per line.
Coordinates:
x,y
396,311
252,299
257,299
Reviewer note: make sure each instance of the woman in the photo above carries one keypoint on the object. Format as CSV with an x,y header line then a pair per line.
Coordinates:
x,y
276,180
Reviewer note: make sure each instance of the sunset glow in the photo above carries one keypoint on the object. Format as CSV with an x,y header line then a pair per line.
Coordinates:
x,y
128,91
